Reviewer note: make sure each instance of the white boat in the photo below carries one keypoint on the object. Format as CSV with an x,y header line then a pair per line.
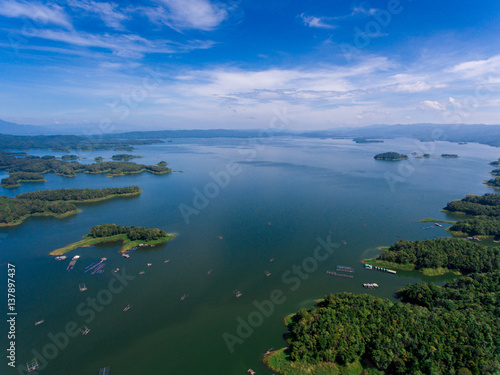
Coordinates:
x,y
127,308
117,269
125,255
149,264
60,257
39,322
183,297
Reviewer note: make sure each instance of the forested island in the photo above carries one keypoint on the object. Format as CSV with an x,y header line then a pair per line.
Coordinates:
x,y
57,203
130,237
32,168
451,329
125,157
449,155
390,156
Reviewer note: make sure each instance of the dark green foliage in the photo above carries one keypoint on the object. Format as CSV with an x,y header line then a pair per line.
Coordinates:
x,y
77,194
391,156
394,337
98,159
451,253
488,204
16,178
69,157
133,233
494,182
482,225
46,202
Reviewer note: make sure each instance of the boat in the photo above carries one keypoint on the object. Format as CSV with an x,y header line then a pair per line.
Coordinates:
x,y
237,293
82,287
438,225
39,322
142,273
104,371
183,297
60,257
72,262
149,264
220,237
127,308
104,259
116,270
368,266
85,330
370,286
267,273
166,261
251,372
209,272
125,255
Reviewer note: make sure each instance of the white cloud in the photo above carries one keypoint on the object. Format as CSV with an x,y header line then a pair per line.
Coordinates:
x,y
188,14
106,11
475,68
318,22
38,13
431,104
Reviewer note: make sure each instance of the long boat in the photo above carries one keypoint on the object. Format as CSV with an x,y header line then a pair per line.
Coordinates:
x,y
72,262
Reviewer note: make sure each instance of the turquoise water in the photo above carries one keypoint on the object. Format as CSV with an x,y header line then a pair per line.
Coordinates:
x,y
282,197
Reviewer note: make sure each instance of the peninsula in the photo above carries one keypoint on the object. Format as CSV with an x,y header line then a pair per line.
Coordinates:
x,y
130,237
57,203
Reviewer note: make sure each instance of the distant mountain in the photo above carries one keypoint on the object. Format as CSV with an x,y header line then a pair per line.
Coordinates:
x,y
17,129
480,133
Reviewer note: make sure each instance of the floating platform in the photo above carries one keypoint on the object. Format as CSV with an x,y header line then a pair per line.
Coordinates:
x,y
105,371
345,269
85,330
72,262
381,269
82,287
32,365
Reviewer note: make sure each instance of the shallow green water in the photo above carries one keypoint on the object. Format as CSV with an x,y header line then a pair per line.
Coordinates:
x,y
287,194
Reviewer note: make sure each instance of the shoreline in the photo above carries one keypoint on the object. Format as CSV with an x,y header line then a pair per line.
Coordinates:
x,y
69,213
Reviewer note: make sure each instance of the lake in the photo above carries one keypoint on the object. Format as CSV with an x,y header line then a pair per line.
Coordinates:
x,y
239,209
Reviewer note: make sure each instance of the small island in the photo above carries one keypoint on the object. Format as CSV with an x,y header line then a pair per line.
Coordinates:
x,y
130,237
69,157
390,156
57,203
449,156
125,157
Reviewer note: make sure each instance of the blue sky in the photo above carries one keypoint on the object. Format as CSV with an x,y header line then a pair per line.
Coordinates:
x,y
184,64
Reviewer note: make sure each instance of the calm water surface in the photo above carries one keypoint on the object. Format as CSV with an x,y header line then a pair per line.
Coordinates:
x,y
287,194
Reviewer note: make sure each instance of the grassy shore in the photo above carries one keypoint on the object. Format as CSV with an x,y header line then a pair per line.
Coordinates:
x,y
24,218
431,220
127,243
279,361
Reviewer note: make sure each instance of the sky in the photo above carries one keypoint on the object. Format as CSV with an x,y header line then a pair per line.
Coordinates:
x,y
238,64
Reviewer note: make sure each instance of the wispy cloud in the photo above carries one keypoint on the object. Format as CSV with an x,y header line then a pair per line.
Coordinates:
x,y
318,22
187,14
106,11
39,13
130,46
475,68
